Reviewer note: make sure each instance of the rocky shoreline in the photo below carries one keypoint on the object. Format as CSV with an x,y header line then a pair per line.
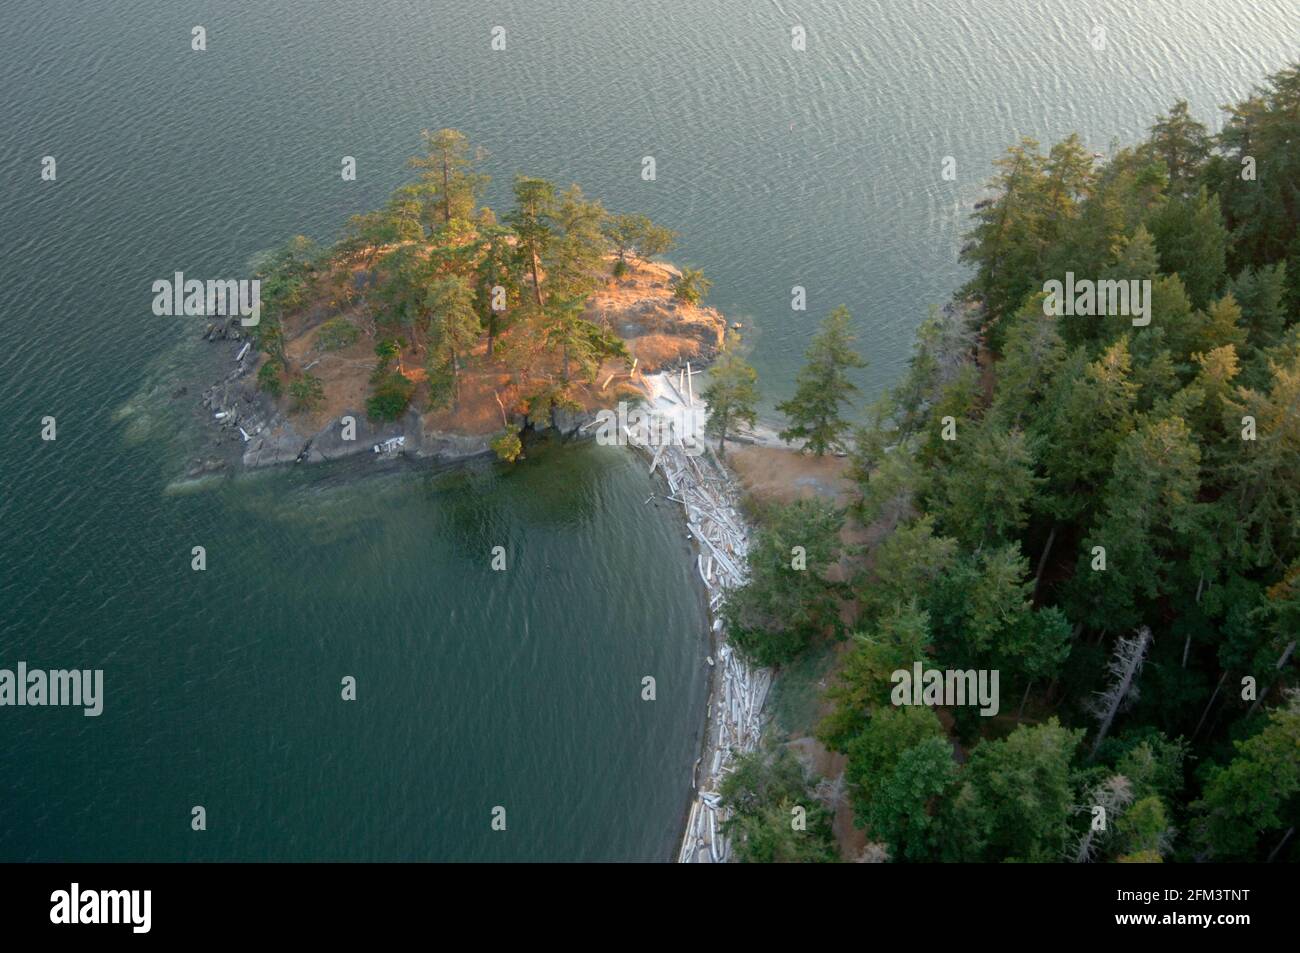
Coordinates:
x,y
254,430
265,436
251,432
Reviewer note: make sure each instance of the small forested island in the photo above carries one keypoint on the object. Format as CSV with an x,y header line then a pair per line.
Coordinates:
x,y
437,327
1104,513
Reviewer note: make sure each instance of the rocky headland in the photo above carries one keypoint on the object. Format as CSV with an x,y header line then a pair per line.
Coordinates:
x,y
254,429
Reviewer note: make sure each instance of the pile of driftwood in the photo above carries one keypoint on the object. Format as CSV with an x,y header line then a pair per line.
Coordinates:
x,y
706,492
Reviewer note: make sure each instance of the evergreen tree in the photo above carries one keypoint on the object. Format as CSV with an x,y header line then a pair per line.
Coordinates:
x,y
1077,458
1016,797
1263,210
874,753
691,286
731,394
1003,245
905,564
496,268
984,497
533,219
1068,180
1265,476
765,793
908,807
578,343
636,234
450,184
1143,832
1183,145
574,260
1151,520
899,639
1255,794
822,387
1193,243
454,328
788,599
1262,295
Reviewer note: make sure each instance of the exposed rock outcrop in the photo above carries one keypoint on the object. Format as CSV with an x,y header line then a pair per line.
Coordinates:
x,y
660,331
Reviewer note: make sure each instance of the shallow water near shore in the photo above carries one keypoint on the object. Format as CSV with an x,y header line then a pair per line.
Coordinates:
x,y
475,689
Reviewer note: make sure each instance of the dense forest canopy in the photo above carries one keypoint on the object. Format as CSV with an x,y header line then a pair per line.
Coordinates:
x,y
1106,514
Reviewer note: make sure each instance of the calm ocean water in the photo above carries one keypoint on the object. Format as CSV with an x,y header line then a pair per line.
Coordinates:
x,y
476,689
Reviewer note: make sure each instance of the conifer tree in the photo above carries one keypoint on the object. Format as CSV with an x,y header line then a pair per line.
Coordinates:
x,y
822,387
1250,796
533,219
637,234
1003,244
449,180
788,599
1193,243
1183,145
1016,797
691,286
761,793
573,261
732,393
454,326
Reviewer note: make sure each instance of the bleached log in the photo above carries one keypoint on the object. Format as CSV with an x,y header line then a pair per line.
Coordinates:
x,y
672,394
722,557
703,487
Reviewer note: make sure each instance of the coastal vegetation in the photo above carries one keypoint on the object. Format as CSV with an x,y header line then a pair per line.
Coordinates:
x,y
823,387
731,394
786,604
437,286
775,816
1105,512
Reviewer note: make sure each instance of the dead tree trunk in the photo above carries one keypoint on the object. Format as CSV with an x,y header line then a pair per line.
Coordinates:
x,y
1281,664
1042,560
1280,844
1126,664
1023,699
1187,644
1210,704
1113,795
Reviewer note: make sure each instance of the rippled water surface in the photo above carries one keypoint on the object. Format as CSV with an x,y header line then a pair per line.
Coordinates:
x,y
476,688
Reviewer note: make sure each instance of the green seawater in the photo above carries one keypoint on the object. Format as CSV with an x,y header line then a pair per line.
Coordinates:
x,y
476,688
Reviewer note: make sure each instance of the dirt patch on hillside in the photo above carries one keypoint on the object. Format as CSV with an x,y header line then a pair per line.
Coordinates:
x,y
781,475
